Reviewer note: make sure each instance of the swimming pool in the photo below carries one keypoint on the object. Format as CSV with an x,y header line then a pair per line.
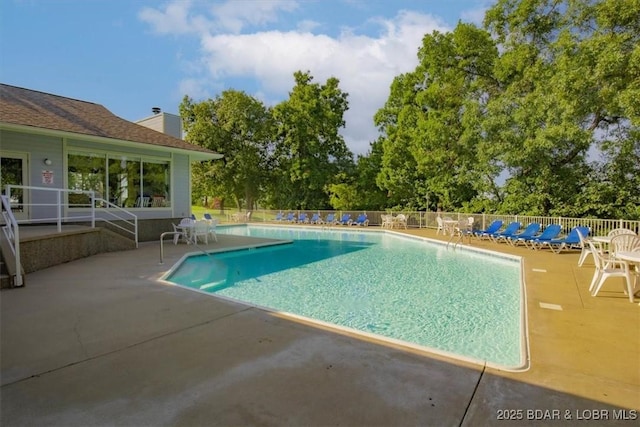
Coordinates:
x,y
460,302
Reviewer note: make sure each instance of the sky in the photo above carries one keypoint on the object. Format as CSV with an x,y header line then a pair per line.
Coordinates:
x,y
132,55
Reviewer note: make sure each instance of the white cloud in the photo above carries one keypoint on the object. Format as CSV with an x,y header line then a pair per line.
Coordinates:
x,y
234,15
364,64
173,19
307,25
195,88
474,16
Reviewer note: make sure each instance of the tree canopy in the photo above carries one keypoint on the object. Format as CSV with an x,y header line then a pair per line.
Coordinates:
x,y
536,112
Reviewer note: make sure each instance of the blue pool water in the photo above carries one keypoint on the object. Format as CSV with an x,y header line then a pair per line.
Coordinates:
x,y
460,302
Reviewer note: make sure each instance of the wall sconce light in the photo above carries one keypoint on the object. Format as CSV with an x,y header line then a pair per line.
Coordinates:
x,y
47,162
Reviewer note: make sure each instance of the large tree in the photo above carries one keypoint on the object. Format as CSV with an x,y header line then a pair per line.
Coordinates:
x,y
432,121
310,152
538,113
396,121
238,126
568,78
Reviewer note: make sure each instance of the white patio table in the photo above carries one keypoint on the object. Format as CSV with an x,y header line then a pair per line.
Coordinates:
x,y
602,241
450,225
629,256
632,257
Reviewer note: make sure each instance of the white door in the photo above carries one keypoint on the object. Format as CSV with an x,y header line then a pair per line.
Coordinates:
x,y
14,169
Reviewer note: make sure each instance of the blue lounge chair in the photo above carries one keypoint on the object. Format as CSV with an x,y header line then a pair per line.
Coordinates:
x,y
531,230
511,229
315,219
291,217
492,228
571,241
331,219
551,232
302,218
361,220
279,216
345,220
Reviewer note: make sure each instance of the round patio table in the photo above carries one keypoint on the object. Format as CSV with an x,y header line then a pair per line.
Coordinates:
x,y
632,257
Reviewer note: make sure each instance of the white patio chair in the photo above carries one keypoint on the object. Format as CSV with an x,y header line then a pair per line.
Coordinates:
x,y
213,222
618,231
627,243
401,221
586,248
607,267
200,230
440,225
449,225
464,228
624,242
143,202
180,233
185,226
241,217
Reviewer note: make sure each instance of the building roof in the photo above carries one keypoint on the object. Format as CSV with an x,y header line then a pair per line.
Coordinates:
x,y
26,107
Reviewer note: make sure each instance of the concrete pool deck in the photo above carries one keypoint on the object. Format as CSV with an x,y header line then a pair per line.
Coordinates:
x,y
99,341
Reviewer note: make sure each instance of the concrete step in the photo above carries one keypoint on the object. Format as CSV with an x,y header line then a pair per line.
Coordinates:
x,y
5,281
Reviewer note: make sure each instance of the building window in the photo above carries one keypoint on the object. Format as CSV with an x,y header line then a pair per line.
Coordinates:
x,y
155,179
124,182
131,182
86,173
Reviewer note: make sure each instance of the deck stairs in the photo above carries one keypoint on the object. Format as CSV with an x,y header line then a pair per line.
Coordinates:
x,y
7,260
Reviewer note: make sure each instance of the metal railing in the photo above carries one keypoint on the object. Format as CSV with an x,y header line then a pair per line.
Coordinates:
x,y
422,219
120,214
57,209
12,234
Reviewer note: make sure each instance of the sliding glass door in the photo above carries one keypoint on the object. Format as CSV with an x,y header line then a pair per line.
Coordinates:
x,y
14,170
